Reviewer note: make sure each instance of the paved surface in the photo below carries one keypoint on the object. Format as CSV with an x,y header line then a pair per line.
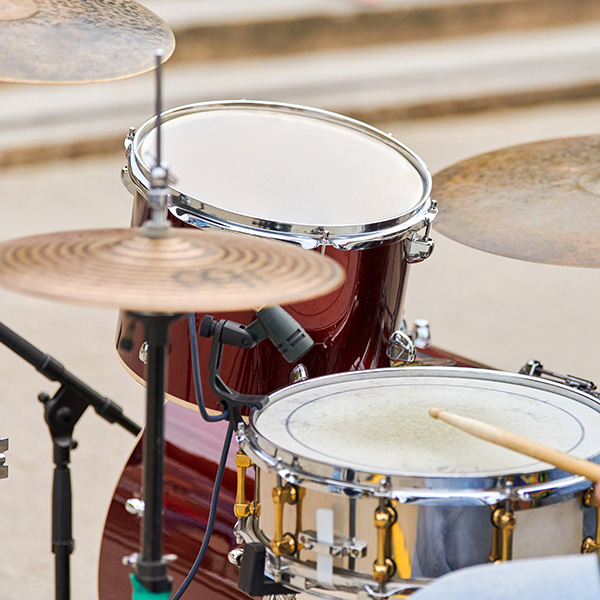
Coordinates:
x,y
496,310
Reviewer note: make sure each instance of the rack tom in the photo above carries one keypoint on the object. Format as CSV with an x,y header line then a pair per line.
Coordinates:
x,y
310,177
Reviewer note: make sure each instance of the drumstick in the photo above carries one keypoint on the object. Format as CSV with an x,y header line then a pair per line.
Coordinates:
x,y
520,444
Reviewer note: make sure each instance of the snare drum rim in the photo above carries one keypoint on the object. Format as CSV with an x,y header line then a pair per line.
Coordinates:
x,y
309,235
416,488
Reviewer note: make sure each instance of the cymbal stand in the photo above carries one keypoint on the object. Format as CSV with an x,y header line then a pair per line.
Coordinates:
x,y
150,578
61,413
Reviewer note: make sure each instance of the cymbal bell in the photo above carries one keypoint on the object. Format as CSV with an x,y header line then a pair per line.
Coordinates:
x,y
537,202
79,41
189,270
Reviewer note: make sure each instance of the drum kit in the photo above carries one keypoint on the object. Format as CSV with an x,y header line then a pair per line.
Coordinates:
x,y
273,204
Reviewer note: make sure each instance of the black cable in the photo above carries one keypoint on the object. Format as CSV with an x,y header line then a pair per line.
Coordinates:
x,y
211,516
196,373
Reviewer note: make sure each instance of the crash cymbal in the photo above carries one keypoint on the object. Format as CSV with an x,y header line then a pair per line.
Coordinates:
x,y
538,202
188,271
79,41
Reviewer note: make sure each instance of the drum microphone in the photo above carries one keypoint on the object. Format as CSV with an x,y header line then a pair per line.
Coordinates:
x,y
272,322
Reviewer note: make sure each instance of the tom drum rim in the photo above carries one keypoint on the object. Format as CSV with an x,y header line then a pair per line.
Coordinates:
x,y
392,222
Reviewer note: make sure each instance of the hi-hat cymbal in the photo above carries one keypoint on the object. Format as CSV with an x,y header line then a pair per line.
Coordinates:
x,y
538,202
188,271
79,41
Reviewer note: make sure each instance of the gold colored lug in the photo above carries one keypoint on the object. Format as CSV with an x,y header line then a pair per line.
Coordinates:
x,y
284,544
505,523
590,544
384,567
243,508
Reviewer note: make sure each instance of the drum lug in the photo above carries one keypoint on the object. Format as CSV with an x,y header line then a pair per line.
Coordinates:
x,y
244,508
504,522
417,247
299,373
590,544
401,348
342,547
384,567
286,544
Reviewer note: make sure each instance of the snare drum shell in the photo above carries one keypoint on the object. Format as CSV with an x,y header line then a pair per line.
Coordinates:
x,y
426,541
350,327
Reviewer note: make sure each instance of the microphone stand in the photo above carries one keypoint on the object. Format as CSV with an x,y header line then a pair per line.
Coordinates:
x,y
61,413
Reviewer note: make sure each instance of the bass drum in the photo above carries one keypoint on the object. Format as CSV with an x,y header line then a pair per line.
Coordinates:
x,y
302,175
192,455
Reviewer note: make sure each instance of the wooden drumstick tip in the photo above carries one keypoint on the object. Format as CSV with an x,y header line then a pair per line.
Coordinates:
x,y
435,412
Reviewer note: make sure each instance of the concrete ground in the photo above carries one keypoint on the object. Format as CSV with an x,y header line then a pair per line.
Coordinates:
x,y
496,310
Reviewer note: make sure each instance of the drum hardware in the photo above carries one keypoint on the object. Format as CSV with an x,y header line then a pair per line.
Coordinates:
x,y
61,414
404,342
341,547
419,247
505,522
245,508
3,465
286,543
143,352
43,40
401,348
384,566
536,368
252,579
299,373
591,500
135,506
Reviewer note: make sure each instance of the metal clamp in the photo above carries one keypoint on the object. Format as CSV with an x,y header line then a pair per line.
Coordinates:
x,y
536,368
285,544
384,567
590,544
244,508
505,522
341,546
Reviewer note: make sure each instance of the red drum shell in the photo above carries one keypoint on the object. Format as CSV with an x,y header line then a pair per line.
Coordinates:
x,y
191,460
350,327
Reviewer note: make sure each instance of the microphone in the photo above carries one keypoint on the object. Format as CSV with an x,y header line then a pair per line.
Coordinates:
x,y
283,330
273,322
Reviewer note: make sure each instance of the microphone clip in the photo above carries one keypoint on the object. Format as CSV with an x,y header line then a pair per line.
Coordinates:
x,y
231,333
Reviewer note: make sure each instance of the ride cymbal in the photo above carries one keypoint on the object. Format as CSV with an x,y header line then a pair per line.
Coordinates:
x,y
538,202
188,271
79,41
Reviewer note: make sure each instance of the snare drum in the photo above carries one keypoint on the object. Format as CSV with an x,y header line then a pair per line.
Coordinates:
x,y
361,491
309,177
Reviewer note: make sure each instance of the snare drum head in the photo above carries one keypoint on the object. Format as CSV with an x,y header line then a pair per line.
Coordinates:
x,y
283,165
378,422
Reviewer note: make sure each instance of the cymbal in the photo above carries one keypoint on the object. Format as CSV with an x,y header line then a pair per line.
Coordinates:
x,y
79,41
190,270
537,202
